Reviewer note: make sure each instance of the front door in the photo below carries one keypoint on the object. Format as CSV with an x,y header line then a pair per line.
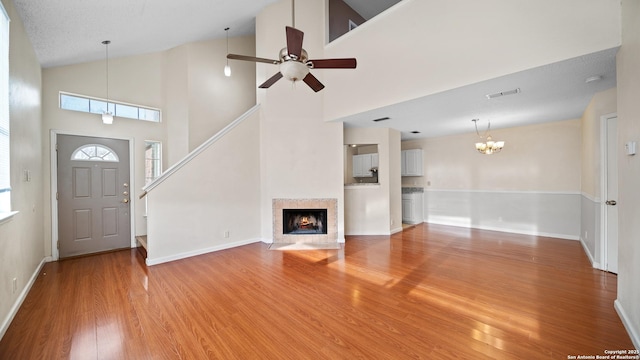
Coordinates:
x,y
93,195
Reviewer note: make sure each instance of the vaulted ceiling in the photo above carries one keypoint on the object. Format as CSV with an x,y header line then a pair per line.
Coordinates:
x,y
72,31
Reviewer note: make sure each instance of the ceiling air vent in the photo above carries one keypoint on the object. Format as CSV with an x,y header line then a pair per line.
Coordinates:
x,y
382,119
503,93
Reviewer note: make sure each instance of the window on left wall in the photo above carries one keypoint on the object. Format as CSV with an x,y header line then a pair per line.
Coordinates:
x,y
5,160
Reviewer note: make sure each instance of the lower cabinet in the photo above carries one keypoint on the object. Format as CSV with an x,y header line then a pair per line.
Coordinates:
x,y
412,208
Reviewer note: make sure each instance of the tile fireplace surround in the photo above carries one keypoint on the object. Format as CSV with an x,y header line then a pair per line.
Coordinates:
x,y
332,220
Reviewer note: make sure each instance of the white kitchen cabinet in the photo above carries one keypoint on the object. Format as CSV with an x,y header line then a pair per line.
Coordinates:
x,y
411,162
412,208
362,165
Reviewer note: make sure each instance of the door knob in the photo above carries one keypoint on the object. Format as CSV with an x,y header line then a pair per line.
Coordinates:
x,y
611,202
126,201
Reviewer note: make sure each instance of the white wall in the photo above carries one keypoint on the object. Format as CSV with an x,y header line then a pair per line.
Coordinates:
x,y
531,187
301,155
22,251
628,72
421,47
375,209
602,103
216,192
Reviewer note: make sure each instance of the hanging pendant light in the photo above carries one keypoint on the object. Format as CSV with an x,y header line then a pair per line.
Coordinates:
x,y
227,68
107,116
489,146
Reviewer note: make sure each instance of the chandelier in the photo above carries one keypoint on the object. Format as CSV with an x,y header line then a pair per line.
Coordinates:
x,y
487,146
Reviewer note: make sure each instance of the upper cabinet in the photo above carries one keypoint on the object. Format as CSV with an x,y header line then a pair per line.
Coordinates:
x,y
412,162
362,165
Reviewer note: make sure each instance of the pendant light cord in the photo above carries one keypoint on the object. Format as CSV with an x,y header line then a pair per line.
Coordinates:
x,y
106,43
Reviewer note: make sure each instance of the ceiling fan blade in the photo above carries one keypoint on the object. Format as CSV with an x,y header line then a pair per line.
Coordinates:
x,y
272,80
252,58
349,63
294,41
313,82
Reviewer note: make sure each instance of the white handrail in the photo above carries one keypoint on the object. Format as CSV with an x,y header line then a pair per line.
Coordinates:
x,y
197,151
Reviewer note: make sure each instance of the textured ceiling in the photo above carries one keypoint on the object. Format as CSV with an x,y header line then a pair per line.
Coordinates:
x,y
65,32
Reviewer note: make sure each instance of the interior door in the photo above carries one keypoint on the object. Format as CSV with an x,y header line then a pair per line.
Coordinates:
x,y
611,208
93,195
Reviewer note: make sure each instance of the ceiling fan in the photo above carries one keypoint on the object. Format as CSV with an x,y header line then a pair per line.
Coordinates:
x,y
294,61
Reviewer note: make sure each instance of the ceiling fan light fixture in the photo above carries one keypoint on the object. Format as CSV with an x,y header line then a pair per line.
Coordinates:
x,y
294,70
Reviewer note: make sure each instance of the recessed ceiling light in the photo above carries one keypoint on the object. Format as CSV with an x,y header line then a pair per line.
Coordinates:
x,y
382,119
353,145
593,78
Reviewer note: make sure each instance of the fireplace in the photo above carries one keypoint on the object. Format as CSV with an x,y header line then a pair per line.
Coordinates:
x,y
305,220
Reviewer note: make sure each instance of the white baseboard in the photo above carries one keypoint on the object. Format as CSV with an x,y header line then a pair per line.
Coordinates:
x,y
396,230
628,324
188,254
23,295
594,264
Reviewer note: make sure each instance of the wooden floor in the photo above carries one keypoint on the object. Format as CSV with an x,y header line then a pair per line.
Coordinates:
x,y
430,292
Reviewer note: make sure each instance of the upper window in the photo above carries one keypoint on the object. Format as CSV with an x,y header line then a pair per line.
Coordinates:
x,y
5,178
99,106
94,152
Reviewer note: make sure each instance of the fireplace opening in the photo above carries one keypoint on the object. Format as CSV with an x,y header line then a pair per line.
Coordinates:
x,y
304,221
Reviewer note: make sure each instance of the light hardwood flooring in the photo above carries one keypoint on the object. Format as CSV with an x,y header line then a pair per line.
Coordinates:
x,y
429,292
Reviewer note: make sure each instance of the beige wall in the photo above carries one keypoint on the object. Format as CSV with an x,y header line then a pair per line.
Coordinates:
x,y
543,157
421,47
21,237
214,99
186,82
628,71
602,103
136,80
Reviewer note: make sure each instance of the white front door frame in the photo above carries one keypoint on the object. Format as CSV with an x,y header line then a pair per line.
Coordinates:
x,y
603,189
54,186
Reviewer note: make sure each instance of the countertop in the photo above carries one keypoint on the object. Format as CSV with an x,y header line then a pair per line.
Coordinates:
x,y
411,190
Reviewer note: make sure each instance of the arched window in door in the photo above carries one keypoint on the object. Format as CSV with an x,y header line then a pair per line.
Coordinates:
x,y
94,152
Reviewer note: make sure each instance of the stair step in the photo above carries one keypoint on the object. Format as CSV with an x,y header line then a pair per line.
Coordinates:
x,y
142,245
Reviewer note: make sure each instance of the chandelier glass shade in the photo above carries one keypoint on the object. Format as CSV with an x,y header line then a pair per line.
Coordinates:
x,y
487,145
